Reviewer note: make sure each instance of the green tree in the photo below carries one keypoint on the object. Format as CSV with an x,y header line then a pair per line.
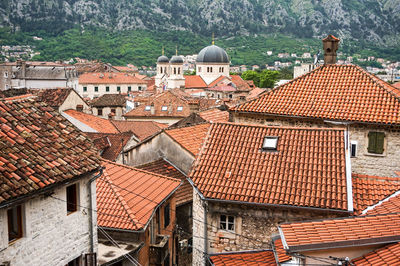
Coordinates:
x,y
268,78
252,75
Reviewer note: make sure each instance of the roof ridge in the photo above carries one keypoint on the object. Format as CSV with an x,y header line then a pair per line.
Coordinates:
x,y
343,218
121,199
184,126
140,170
22,97
283,127
377,178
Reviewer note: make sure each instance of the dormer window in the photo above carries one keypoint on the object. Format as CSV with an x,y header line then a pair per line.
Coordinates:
x,y
270,143
147,108
180,108
164,108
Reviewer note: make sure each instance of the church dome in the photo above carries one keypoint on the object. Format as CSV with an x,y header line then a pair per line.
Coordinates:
x,y
212,54
176,59
163,59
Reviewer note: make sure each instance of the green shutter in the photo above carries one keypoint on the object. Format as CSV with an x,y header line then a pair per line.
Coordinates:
x,y
380,138
371,142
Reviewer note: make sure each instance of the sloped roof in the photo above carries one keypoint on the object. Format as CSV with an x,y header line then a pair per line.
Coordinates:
x,y
185,192
194,81
242,85
39,148
53,97
335,92
308,169
99,124
191,138
369,190
109,78
391,205
118,100
341,232
397,85
127,197
141,129
387,255
255,257
214,115
116,143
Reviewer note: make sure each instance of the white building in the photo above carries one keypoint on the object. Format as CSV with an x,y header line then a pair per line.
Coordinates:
x,y
47,188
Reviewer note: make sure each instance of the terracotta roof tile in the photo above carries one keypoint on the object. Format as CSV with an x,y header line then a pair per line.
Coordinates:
x,y
141,129
39,147
387,255
308,169
185,192
110,100
369,190
116,143
99,124
264,257
127,197
341,232
391,205
337,92
191,138
214,115
216,81
109,78
194,81
53,97
396,85
280,251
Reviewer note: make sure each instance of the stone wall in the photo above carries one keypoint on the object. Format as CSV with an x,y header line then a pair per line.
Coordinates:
x,y
364,162
254,225
72,101
198,231
50,236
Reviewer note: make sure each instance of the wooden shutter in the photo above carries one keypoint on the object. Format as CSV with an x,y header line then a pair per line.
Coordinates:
x,y
380,138
371,142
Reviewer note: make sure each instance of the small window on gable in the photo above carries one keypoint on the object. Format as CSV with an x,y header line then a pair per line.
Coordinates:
x,y
376,142
72,198
180,108
227,222
270,143
147,108
14,217
353,148
164,108
99,111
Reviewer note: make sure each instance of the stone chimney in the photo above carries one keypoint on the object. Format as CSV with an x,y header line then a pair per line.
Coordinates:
x,y
331,44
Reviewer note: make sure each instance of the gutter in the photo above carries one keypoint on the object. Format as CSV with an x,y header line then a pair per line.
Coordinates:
x,y
91,180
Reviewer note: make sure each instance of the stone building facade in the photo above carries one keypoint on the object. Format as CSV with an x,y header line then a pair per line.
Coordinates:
x,y
363,162
51,235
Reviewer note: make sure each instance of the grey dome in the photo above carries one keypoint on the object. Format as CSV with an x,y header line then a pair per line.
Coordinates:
x,y
212,54
176,59
163,59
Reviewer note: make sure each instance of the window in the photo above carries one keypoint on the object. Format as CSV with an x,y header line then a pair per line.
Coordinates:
x,y
161,70
179,70
180,108
166,215
84,88
376,142
96,89
147,108
211,70
130,88
113,110
174,70
79,107
75,262
230,96
118,88
227,222
140,88
100,111
6,74
72,198
270,143
353,149
107,88
164,108
14,217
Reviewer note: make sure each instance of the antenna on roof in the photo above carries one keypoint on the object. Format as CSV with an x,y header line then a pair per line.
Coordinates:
x,y
213,39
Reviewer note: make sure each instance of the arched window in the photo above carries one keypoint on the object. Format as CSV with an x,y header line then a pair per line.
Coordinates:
x,y
161,70
174,70
179,70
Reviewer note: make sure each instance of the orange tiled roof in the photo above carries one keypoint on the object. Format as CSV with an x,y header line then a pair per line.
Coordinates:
x,y
242,85
127,197
99,124
109,78
39,148
387,255
53,97
191,138
391,205
194,81
308,169
215,115
263,257
280,251
141,129
116,143
341,232
336,92
184,193
216,81
369,190
397,85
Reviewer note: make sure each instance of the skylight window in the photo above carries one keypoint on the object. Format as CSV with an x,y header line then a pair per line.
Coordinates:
x,y
147,108
164,108
180,108
270,143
